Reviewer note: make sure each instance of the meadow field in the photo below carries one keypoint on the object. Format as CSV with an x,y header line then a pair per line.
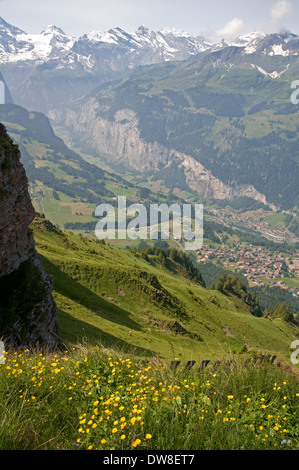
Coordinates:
x,y
93,398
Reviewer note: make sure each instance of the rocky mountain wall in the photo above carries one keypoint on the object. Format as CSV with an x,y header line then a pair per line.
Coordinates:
x,y
27,308
121,140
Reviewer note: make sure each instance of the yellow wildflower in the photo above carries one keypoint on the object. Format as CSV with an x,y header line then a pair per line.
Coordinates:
x,y
136,442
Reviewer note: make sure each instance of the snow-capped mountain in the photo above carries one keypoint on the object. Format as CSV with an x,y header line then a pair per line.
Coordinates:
x,y
139,48
52,43
248,41
137,96
283,44
18,46
47,70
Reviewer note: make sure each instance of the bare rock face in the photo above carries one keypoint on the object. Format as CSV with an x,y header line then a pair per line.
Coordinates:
x,y
121,140
27,308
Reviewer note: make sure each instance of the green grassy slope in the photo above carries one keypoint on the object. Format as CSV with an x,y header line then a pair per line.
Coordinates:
x,y
63,185
127,302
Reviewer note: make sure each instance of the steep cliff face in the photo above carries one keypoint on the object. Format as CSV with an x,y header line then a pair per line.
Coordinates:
x,y
27,308
121,140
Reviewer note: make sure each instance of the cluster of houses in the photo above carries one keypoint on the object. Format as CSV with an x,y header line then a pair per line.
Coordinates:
x,y
257,264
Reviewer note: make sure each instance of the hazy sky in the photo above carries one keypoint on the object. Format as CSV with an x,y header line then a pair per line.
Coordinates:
x,y
222,18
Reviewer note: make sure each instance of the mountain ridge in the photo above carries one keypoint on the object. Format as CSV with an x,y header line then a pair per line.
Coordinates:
x,y
166,44
219,108
50,69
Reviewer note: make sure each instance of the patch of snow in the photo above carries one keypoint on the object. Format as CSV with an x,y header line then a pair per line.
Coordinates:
x,y
174,32
278,50
279,74
96,36
273,74
254,36
38,46
261,70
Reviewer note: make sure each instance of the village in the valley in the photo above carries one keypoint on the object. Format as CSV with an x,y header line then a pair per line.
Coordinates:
x,y
259,264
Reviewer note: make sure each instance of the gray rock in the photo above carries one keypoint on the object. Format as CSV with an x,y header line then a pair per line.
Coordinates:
x,y
27,308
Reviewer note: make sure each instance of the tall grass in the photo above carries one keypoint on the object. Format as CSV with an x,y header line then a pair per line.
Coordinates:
x,y
94,398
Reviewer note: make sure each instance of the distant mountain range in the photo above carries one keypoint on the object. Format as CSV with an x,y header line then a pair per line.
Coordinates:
x,y
220,123
214,118
143,46
51,68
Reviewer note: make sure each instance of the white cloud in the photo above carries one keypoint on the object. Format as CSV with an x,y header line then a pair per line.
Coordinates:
x,y
281,11
232,29
278,15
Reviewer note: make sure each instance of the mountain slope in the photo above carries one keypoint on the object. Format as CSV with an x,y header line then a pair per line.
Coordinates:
x,y
61,182
221,123
98,290
49,69
225,117
63,185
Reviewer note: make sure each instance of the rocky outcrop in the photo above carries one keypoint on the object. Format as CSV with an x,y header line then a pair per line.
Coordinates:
x,y
27,308
120,141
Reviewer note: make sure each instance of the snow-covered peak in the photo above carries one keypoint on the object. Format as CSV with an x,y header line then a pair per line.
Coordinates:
x,y
97,36
6,27
250,37
51,29
113,36
174,32
167,43
143,30
267,44
246,40
21,46
138,48
284,44
250,41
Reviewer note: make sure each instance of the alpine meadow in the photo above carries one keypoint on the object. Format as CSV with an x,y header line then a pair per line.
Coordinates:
x,y
149,233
